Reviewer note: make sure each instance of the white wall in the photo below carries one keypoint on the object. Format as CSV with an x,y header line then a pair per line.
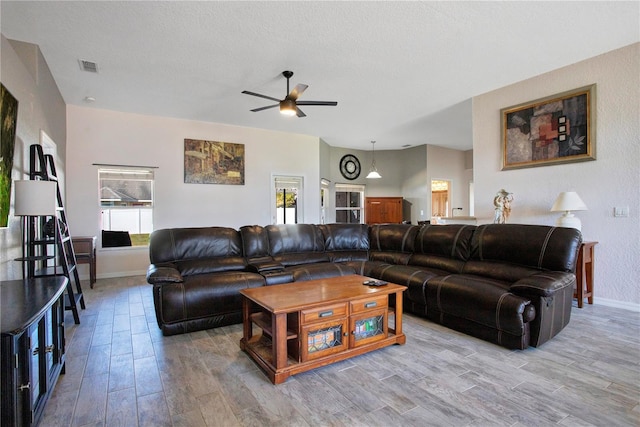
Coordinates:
x,y
416,188
101,136
611,180
26,76
447,164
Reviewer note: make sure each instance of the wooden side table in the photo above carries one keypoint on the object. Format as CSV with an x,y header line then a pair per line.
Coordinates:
x,y
85,249
584,273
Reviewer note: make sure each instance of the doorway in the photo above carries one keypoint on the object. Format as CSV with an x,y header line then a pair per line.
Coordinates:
x,y
287,205
440,198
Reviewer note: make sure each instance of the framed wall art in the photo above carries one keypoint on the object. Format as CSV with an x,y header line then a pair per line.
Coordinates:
x,y
8,118
213,162
553,130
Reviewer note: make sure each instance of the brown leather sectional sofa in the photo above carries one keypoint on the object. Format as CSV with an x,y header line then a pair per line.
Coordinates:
x,y
508,284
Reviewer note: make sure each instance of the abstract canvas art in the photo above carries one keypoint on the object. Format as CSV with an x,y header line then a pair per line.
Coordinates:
x,y
9,117
553,130
213,162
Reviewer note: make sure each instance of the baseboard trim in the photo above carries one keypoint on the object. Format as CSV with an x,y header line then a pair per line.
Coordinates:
x,y
617,304
119,274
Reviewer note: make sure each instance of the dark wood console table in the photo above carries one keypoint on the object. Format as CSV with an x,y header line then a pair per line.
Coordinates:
x,y
33,346
85,250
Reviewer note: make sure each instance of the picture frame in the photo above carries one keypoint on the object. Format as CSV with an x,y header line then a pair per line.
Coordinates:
x,y
213,162
557,129
8,121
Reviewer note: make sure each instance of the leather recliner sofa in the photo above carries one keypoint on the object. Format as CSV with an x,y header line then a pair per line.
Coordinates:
x,y
509,284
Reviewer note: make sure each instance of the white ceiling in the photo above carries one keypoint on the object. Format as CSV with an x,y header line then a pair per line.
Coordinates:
x,y
401,72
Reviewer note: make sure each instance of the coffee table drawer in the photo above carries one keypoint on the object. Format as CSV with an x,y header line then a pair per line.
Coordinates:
x,y
372,303
324,313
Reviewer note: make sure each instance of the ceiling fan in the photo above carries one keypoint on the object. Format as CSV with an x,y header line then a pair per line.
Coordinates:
x,y
289,105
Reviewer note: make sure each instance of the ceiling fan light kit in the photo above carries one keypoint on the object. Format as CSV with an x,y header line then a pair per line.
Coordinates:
x,y
289,105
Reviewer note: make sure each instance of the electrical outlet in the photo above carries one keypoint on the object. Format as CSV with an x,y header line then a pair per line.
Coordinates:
x,y
621,211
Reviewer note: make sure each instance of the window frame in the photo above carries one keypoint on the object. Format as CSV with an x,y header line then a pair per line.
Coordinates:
x,y
350,188
145,207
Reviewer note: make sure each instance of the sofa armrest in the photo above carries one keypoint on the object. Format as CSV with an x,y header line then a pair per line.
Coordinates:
x,y
543,284
264,265
163,273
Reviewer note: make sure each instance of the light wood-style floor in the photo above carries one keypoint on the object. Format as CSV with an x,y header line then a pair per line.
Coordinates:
x,y
122,372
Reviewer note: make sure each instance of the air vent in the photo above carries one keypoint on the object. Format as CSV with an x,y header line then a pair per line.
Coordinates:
x,y
88,66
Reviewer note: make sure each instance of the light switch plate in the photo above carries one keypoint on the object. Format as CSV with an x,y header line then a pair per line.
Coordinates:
x,y
621,211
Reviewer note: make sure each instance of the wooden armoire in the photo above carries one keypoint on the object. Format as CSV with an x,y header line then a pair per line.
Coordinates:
x,y
380,210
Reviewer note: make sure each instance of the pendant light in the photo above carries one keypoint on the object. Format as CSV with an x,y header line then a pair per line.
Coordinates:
x,y
373,171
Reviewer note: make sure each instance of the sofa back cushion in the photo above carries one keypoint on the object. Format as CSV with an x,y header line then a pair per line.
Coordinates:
x,y
445,247
393,243
255,241
197,250
294,244
346,242
530,246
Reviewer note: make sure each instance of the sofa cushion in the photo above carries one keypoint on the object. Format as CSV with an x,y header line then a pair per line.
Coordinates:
x,y
321,270
499,270
346,242
481,300
449,241
415,279
536,246
201,296
393,237
436,262
293,244
179,244
210,265
255,241
392,243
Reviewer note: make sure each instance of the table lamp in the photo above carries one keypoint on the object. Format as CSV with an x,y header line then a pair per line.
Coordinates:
x,y
33,198
567,202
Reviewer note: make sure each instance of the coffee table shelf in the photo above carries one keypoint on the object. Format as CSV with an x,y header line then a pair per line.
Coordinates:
x,y
306,325
263,321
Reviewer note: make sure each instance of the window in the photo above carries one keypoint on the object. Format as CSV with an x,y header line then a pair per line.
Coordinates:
x,y
349,203
126,202
288,199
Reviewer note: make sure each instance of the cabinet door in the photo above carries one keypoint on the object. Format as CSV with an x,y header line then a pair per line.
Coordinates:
x,y
37,366
380,210
322,339
367,327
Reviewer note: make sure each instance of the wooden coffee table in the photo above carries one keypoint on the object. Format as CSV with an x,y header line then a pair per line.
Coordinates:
x,y
305,325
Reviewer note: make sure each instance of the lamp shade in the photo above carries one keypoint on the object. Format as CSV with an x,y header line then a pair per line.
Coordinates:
x,y
373,171
373,174
568,201
35,198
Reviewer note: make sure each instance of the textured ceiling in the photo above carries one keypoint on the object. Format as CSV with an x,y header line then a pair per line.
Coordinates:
x,y
401,72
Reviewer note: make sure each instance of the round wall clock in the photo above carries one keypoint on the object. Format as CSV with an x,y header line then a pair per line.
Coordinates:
x,y
350,166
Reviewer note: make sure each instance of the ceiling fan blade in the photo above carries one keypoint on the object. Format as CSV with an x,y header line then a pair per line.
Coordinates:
x,y
330,103
297,91
260,96
255,110
299,113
